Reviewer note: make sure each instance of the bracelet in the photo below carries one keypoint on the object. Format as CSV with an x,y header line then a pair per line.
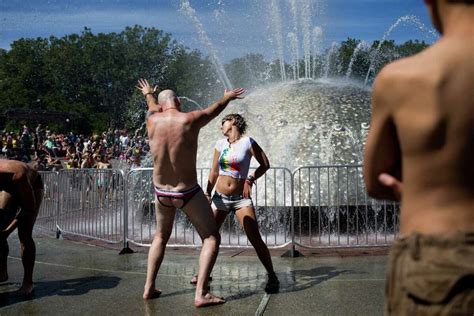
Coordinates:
x,y
148,93
251,178
248,182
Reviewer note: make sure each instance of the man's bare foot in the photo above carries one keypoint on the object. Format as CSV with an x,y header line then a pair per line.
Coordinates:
x,y
194,280
26,289
154,293
208,300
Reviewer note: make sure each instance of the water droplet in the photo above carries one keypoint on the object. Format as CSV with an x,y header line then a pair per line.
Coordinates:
x,y
309,126
281,123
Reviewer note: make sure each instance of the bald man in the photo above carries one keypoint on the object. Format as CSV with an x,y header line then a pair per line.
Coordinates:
x,y
21,194
173,144
422,131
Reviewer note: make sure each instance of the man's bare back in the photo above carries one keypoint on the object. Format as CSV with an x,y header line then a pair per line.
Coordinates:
x,y
174,147
423,129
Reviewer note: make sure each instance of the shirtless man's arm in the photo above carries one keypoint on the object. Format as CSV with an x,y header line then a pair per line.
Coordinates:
x,y
202,117
382,150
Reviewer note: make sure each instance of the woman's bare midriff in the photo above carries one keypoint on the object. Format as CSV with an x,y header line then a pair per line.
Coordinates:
x,y
230,186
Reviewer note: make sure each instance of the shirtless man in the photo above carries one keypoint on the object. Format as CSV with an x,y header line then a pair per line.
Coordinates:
x,y
422,131
21,194
173,143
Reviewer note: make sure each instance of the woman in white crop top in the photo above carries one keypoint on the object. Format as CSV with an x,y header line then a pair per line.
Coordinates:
x,y
233,186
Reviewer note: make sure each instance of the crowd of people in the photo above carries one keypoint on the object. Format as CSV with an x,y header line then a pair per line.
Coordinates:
x,y
54,151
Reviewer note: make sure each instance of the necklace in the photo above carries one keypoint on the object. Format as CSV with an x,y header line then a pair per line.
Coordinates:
x,y
233,141
170,109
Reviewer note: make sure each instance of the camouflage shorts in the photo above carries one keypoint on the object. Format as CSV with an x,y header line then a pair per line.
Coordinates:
x,y
431,275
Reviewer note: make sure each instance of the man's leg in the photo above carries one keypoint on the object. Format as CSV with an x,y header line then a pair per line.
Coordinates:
x,y
220,217
3,259
25,234
7,211
164,227
28,251
200,214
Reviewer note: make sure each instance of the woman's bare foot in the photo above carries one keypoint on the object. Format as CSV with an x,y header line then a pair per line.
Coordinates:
x,y
194,280
208,300
151,294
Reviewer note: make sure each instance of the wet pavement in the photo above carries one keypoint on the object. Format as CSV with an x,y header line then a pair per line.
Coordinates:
x,y
79,279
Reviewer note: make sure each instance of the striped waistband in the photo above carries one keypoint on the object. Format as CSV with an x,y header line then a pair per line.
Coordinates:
x,y
229,197
177,194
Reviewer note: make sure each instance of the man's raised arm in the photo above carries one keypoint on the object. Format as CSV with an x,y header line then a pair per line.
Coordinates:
x,y
203,117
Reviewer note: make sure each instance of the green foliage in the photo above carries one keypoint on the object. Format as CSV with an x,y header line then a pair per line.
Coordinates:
x,y
92,77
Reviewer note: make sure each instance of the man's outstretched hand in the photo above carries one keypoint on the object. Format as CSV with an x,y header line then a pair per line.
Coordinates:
x,y
234,94
145,87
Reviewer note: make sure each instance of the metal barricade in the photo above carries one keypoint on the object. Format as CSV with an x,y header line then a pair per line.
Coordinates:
x,y
92,203
47,215
271,197
331,208
314,206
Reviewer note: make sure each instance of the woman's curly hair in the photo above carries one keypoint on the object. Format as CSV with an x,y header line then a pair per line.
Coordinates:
x,y
238,121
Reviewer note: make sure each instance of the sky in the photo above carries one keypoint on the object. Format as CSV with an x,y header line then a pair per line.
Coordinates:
x,y
233,27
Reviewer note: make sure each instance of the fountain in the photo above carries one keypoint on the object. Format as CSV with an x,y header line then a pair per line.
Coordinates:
x,y
404,19
359,47
294,120
314,119
191,14
295,123
329,58
276,25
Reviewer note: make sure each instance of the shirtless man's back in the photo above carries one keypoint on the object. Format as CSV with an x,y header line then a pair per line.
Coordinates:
x,y
422,131
173,137
428,102
174,147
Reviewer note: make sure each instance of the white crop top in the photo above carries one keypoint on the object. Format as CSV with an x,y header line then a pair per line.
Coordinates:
x,y
234,160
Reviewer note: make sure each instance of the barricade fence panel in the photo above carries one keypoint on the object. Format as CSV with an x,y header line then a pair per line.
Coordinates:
x,y
141,206
47,214
320,206
331,208
91,203
271,197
